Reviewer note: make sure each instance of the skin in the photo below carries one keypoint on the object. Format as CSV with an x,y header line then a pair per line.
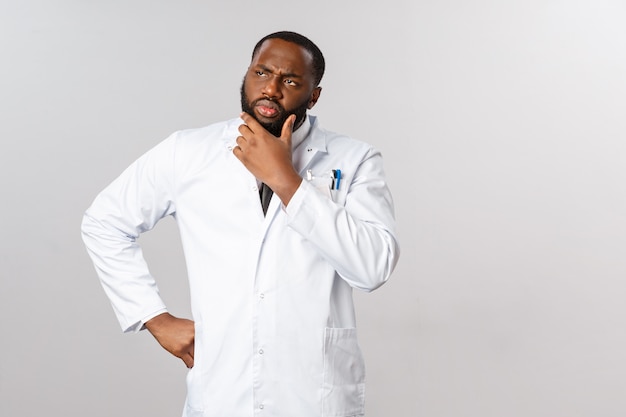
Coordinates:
x,y
280,73
175,335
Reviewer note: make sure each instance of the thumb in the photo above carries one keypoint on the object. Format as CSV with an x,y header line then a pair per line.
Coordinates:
x,y
285,134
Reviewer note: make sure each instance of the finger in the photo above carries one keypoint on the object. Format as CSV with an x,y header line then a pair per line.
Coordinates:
x,y
244,129
251,122
285,134
241,141
188,360
288,126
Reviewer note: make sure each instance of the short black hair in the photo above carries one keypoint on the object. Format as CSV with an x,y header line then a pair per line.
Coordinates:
x,y
319,64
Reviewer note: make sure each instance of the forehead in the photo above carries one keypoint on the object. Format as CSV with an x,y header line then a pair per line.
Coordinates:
x,y
285,56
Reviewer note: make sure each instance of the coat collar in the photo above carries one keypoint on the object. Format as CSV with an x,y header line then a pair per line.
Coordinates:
x,y
314,142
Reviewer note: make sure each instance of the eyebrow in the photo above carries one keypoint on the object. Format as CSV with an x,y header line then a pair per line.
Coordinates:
x,y
290,75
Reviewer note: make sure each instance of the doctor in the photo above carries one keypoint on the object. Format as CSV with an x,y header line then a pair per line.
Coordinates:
x,y
273,330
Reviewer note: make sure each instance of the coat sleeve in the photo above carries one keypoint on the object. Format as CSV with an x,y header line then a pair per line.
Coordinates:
x,y
357,238
129,206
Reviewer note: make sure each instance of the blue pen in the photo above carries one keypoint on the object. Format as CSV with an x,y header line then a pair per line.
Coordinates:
x,y
338,176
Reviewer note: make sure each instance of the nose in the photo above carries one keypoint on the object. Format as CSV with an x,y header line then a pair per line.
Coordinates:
x,y
271,88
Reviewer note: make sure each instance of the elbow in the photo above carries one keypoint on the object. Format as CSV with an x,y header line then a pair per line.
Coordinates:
x,y
86,226
373,285
379,271
90,228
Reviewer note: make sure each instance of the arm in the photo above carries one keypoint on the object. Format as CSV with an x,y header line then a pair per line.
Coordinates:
x,y
175,335
358,239
131,205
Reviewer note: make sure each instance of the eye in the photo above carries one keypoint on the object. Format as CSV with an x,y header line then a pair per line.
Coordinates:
x,y
260,73
291,82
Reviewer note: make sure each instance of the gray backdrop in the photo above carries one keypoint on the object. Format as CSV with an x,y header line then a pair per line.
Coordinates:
x,y
503,130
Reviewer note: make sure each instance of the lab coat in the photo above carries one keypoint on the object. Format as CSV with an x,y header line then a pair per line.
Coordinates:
x,y
271,296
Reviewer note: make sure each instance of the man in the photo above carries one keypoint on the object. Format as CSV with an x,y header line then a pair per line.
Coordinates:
x,y
273,330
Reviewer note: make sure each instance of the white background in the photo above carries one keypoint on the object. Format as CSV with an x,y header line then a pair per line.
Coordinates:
x,y
503,127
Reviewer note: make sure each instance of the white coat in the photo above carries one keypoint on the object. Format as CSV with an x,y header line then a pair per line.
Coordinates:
x,y
271,296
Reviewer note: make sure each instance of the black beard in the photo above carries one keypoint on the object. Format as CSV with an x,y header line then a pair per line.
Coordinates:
x,y
275,127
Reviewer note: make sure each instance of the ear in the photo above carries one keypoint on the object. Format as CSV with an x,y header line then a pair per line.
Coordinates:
x,y
315,95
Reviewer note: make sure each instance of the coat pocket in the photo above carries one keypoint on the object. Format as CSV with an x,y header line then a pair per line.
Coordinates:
x,y
343,391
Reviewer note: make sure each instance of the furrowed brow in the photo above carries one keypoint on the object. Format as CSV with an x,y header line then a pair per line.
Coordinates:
x,y
285,75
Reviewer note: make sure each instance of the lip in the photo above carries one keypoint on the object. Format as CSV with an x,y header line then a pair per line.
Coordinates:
x,y
266,108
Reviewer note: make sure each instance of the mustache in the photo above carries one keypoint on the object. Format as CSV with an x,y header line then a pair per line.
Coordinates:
x,y
267,100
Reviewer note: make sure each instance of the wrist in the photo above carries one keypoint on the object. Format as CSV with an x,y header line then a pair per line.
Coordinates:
x,y
154,324
286,187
